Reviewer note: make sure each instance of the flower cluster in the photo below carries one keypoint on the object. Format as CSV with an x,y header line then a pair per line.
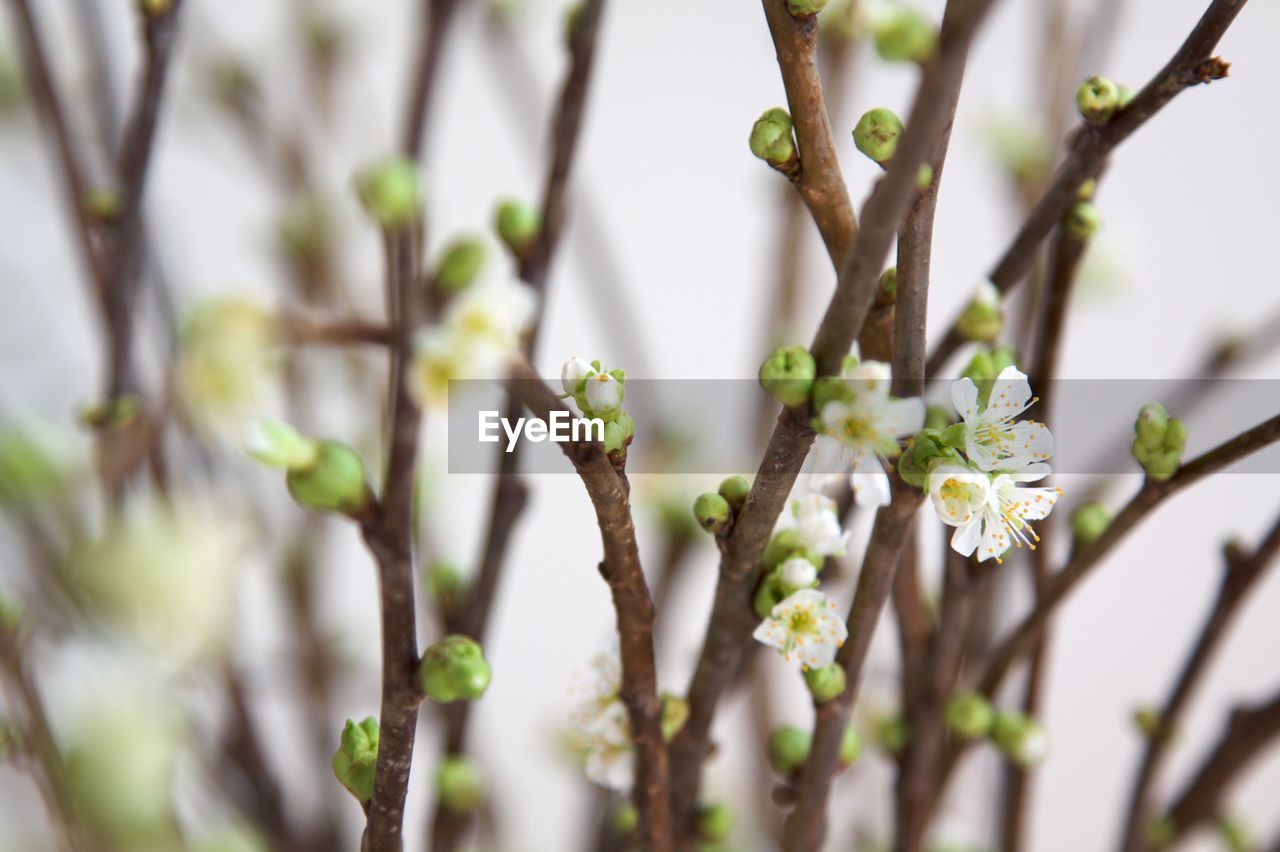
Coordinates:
x,y
977,480
598,394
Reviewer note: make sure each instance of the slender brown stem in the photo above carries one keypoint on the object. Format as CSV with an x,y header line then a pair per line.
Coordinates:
x,y
818,178
438,16
1240,576
1191,65
308,328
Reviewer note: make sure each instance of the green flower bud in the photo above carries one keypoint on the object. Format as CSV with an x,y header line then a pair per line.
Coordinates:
x,y
333,482
447,584
904,35
985,365
461,263
830,389
1147,720
771,592
154,8
924,177
356,758
572,16
1159,441
391,192
926,451
1089,521
983,318
304,230
770,138
277,444
805,8
887,292
459,785
675,518
1082,220
10,614
735,490
788,375
454,668
625,819
892,733
34,463
850,746
876,134
714,823
711,511
1097,99
785,544
102,203
788,749
969,715
517,224
825,683
1022,739
675,712
936,418
618,434
1086,190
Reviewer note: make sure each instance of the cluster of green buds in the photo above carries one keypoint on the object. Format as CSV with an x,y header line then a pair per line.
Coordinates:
x,y
356,758
983,318
1159,441
459,784
598,392
902,34
1098,99
788,375
876,135
460,264
325,475
391,192
518,225
793,558
771,138
454,669
1089,521
714,510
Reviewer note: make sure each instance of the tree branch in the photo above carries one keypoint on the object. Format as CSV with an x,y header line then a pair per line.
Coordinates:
x,y
437,18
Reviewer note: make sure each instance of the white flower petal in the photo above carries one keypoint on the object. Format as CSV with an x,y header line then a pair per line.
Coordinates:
x,y
1010,394
964,396
901,417
967,536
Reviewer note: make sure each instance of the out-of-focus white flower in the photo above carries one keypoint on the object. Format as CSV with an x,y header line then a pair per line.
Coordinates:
x,y
573,372
225,357
992,438
799,573
818,525
497,310
166,575
601,731
804,627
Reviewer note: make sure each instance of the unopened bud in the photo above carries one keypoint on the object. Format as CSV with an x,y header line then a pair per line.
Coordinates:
x,y
602,394
454,668
887,291
983,318
356,757
1089,521
825,683
333,482
447,585
1148,721
714,823
675,712
850,746
1097,99
154,8
904,35
1159,441
735,490
876,134
789,749
1022,739
805,8
969,715
771,137
461,263
459,785
788,375
891,733
1082,220
518,225
711,511
924,177
771,592
798,573
391,192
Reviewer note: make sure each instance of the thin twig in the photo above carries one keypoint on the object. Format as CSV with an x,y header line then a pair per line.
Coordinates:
x,y
438,16
1240,576
1191,65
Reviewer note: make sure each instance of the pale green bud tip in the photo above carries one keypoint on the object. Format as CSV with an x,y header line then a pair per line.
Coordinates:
x,y
462,261
771,137
876,134
154,8
788,749
459,785
454,668
1097,99
625,819
825,683
446,583
1127,94
711,512
1081,220
1089,522
277,444
333,482
735,490
675,711
357,755
771,592
517,224
904,35
1159,441
1159,832
788,375
983,318
1147,720
1022,739
805,8
892,733
887,292
969,715
850,746
391,192
101,203
714,823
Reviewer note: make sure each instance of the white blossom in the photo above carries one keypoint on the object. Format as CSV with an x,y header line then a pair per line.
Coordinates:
x,y
993,516
799,573
992,438
573,372
804,627
603,393
818,525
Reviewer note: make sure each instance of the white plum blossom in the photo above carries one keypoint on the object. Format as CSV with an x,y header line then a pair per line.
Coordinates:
x,y
1033,749
862,433
818,525
603,393
993,516
498,310
804,627
610,758
799,573
573,372
992,439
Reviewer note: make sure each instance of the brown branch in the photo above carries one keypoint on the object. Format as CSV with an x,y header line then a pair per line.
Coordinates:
x,y
621,569
1248,732
307,327
807,824
1240,576
437,18
1191,65
818,178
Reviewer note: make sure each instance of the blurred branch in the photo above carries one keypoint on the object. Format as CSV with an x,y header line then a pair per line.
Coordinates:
x,y
437,16
1191,65
304,327
1241,572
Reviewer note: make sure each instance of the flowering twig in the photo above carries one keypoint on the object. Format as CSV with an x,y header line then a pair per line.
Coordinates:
x,y
621,569
818,178
1241,573
1191,65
